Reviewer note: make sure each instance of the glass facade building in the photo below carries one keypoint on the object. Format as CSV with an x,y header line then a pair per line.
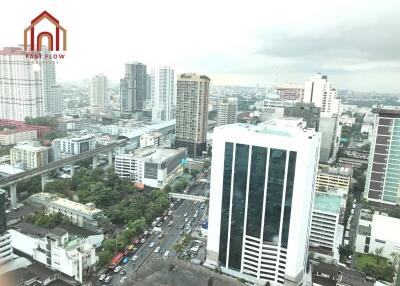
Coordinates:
x,y
258,185
383,176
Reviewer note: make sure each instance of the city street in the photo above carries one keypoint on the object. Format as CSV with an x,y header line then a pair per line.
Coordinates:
x,y
171,235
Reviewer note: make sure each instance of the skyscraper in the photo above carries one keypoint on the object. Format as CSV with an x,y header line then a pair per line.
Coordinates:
x,y
308,111
319,91
192,113
162,92
383,177
261,199
227,111
133,88
27,88
98,92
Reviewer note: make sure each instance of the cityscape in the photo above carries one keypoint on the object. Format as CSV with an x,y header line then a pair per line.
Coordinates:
x,y
190,171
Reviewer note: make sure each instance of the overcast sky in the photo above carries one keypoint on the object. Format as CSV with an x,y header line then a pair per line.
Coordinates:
x,y
355,42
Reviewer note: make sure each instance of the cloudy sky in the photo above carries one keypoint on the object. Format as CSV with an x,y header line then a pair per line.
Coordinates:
x,y
248,42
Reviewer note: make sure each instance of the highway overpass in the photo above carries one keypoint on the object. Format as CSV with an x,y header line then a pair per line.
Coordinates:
x,y
187,197
13,180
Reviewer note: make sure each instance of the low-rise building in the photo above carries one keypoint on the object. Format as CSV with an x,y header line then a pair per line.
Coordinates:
x,y
333,178
72,145
327,224
152,166
13,136
29,155
87,216
151,139
55,248
378,231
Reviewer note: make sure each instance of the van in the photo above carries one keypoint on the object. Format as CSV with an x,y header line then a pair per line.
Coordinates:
x,y
166,254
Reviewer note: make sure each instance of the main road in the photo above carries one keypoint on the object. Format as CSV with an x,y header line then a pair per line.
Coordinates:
x,y
171,235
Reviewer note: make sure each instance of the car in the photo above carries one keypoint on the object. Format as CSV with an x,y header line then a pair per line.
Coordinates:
x,y
158,219
185,215
157,249
187,227
195,215
166,218
146,233
135,257
170,223
161,235
166,254
117,269
182,226
202,206
125,260
123,279
122,272
154,223
195,203
159,224
171,205
108,279
136,241
143,240
151,244
189,231
102,277
187,219
170,213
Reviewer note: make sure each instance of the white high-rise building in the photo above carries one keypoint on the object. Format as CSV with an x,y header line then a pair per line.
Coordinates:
x,y
98,92
261,200
227,111
162,93
320,91
27,88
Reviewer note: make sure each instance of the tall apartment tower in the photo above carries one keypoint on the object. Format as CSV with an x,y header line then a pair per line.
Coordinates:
x,y
192,113
227,111
98,92
383,176
321,92
6,251
27,88
261,200
162,93
133,88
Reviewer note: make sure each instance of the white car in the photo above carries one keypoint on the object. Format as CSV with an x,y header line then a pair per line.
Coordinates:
x,y
123,279
102,277
157,249
117,269
134,258
186,219
195,215
185,215
151,245
170,213
108,279
143,240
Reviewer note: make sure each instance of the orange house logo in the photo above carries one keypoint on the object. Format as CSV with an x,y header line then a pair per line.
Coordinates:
x,y
53,39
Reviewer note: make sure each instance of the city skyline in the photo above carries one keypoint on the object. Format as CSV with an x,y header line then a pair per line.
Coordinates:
x,y
352,42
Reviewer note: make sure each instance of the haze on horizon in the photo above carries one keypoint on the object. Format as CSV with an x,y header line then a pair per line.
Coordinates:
x,y
354,42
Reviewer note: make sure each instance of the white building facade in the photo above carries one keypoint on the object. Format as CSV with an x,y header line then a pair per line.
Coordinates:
x,y
227,111
27,88
162,93
98,92
29,155
261,200
68,146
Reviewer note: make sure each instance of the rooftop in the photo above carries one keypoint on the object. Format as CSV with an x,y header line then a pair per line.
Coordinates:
x,y
157,154
9,169
385,228
342,171
146,129
18,130
31,146
87,209
327,202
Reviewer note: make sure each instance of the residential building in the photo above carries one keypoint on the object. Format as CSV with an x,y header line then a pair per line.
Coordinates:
x,y
72,145
153,166
29,155
98,92
227,111
56,249
308,111
162,93
377,231
261,199
27,88
192,113
346,120
320,91
13,136
6,251
291,92
41,130
331,132
86,216
327,225
152,139
383,177
333,178
133,88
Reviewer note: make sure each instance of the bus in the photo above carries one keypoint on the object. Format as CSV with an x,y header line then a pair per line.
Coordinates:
x,y
115,260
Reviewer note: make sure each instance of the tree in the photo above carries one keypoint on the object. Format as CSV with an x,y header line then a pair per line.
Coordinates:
x,y
43,121
105,257
138,225
378,254
167,188
178,247
345,251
